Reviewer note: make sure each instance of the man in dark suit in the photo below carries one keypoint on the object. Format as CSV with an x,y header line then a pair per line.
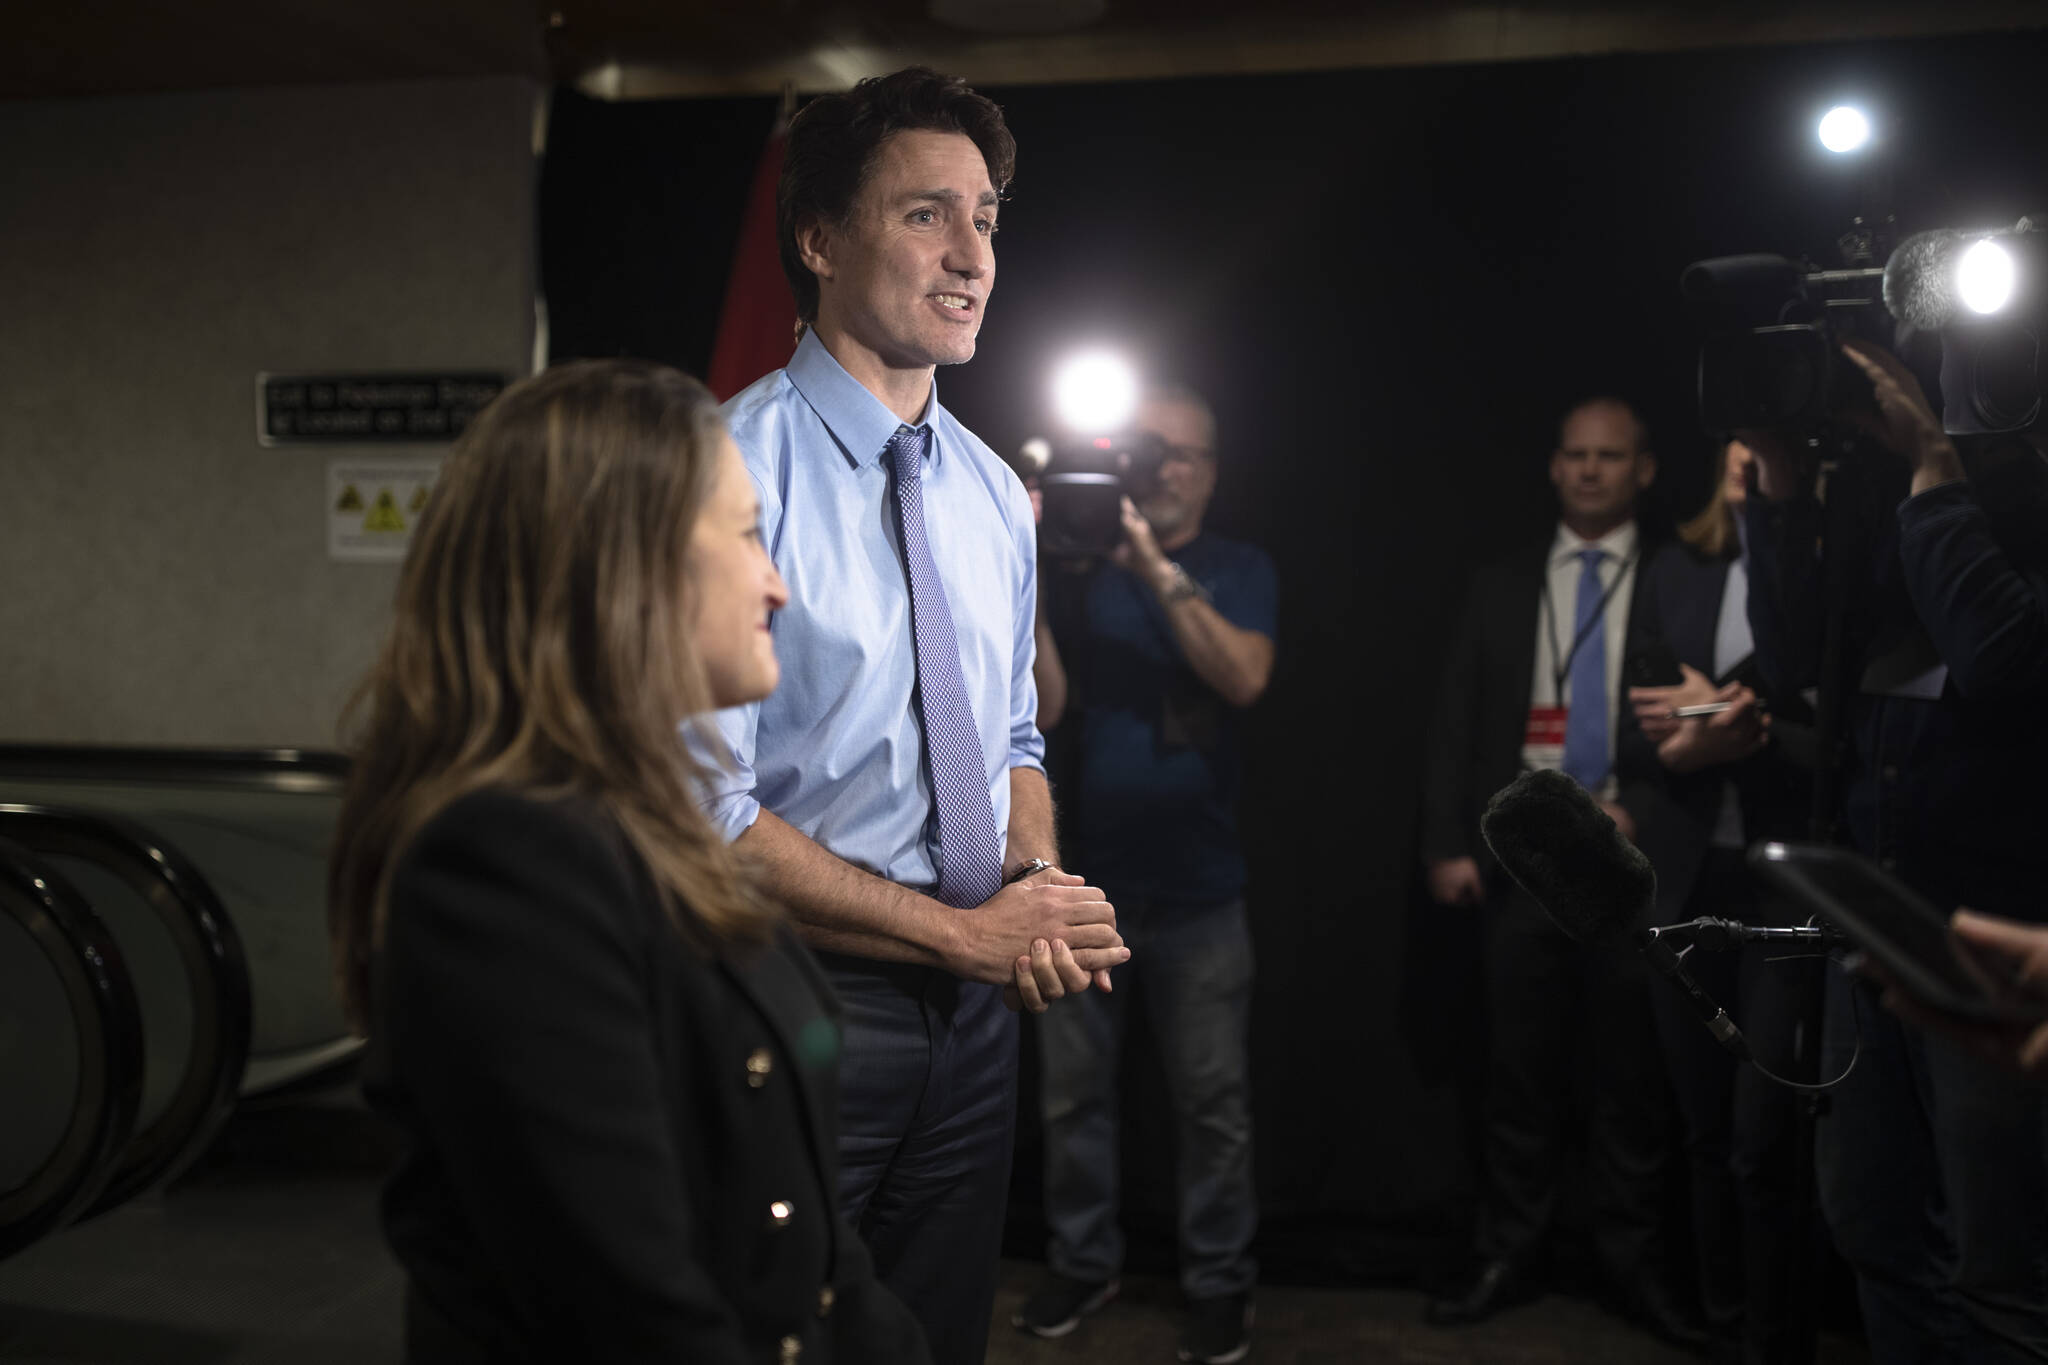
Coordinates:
x,y
1533,680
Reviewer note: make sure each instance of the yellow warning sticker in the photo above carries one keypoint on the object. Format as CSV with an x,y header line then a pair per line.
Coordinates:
x,y
373,504
384,516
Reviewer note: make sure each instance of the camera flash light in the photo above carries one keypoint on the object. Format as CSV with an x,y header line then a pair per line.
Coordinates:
x,y
1844,129
1095,392
1985,277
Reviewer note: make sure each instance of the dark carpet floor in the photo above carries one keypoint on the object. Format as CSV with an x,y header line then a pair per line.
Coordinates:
x,y
268,1253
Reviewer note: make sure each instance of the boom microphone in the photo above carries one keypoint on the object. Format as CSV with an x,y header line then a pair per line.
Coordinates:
x,y
1919,279
1562,849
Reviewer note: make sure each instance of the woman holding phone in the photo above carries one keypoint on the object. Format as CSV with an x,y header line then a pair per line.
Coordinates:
x,y
1726,773
615,1064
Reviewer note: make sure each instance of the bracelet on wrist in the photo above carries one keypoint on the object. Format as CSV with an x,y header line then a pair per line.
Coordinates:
x,y
1180,585
1029,868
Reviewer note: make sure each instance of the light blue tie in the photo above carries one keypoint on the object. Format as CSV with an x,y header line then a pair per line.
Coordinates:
x,y
970,850
1585,726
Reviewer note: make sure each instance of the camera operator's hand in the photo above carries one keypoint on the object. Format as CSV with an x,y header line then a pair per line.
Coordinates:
x,y
1777,461
1140,552
1908,425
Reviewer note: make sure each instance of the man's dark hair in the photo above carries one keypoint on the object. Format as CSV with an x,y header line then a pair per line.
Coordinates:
x,y
832,143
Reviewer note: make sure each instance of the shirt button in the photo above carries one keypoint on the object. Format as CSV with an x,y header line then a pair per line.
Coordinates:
x,y
780,1212
760,1062
1891,772
1888,864
825,1297
792,1349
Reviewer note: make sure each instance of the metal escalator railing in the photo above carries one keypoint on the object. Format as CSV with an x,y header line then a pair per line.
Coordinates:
x,y
294,770
71,1051
258,824
188,971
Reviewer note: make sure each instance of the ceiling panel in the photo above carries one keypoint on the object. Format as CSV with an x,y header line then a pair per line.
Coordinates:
x,y
632,48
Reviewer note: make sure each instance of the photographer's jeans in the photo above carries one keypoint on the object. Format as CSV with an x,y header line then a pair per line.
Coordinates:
x,y
1933,1175
1193,970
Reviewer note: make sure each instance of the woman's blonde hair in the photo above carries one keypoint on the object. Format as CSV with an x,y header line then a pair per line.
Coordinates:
x,y
540,642
1712,530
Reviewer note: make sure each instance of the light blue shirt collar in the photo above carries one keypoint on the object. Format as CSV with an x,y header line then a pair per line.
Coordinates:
x,y
860,422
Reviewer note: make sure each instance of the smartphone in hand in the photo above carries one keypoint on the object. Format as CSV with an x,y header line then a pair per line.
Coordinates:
x,y
1903,933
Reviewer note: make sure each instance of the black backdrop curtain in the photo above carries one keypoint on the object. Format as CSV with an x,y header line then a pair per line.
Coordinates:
x,y
1391,282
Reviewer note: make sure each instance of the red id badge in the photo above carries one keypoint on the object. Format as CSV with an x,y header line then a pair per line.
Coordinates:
x,y
1543,740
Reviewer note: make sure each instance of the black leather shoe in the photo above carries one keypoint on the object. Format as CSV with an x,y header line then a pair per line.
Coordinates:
x,y
1499,1284
1649,1305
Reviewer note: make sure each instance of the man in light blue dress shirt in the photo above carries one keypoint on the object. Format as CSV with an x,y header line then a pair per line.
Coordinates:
x,y
886,211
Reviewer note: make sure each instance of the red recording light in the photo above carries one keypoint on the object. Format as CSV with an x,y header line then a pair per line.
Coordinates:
x,y
1103,443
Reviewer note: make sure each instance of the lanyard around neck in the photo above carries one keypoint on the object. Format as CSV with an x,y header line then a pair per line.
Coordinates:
x,y
1561,662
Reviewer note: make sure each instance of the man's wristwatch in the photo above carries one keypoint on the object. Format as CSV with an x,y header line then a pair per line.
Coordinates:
x,y
1028,869
1181,585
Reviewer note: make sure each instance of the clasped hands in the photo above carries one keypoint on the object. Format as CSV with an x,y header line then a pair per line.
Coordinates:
x,y
1068,932
1687,744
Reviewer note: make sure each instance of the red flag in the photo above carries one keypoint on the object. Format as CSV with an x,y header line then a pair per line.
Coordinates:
x,y
757,324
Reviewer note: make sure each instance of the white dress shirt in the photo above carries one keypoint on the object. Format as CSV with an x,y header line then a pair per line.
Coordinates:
x,y
1556,617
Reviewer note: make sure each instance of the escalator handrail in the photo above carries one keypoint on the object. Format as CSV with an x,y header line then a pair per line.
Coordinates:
x,y
293,770
109,1022
222,1006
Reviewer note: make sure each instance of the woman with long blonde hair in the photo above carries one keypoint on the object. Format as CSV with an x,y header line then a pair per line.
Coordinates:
x,y
615,1064
1724,781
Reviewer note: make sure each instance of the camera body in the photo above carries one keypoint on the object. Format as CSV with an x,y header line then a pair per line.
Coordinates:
x,y
1771,331
1991,376
1083,487
1771,334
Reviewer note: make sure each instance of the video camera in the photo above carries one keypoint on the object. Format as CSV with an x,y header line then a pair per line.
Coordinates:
x,y
1084,483
1772,328
1771,334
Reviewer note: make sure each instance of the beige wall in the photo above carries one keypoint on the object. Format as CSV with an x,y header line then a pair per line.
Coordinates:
x,y
163,578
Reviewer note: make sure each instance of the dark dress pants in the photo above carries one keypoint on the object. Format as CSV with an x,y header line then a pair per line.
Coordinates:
x,y
1193,967
927,1118
1561,1013
1745,1143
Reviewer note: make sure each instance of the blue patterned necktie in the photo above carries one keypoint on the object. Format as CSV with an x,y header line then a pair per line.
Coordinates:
x,y
970,850
1585,725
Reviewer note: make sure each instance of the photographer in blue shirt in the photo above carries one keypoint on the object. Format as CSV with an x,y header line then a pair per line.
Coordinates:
x,y
1174,639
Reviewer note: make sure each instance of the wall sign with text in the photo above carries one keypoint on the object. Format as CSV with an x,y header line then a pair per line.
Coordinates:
x,y
357,409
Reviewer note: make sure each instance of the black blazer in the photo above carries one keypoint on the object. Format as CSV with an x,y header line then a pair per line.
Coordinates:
x,y
622,1147
1676,616
1482,710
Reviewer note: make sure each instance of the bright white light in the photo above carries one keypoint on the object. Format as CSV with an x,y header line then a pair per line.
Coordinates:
x,y
1844,129
1095,393
1985,277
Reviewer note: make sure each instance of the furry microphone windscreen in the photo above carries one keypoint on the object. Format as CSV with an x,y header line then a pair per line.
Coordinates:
x,y
1565,851
1919,279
